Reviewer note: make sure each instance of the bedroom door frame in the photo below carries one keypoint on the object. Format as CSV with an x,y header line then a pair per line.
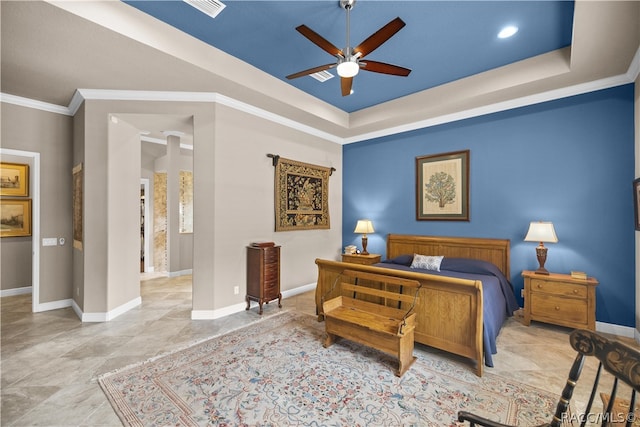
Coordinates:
x,y
34,183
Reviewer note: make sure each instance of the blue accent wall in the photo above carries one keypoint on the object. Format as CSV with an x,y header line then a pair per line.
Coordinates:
x,y
569,161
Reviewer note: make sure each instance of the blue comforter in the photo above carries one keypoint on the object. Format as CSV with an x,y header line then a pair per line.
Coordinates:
x,y
499,301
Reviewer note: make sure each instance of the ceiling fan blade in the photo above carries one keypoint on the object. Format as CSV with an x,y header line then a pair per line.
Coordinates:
x,y
320,41
345,85
384,68
376,39
311,71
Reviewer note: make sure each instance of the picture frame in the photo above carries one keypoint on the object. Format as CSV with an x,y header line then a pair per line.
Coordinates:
x,y
636,202
14,179
442,187
15,217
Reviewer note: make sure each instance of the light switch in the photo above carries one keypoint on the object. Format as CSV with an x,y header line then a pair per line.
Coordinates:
x,y
50,241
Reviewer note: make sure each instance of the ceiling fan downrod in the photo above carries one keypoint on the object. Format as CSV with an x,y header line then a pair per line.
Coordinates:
x,y
348,65
348,5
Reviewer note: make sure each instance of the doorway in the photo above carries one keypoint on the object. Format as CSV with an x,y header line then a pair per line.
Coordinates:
x,y
145,220
33,159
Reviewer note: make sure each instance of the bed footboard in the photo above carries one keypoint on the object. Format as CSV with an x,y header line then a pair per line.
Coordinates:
x,y
448,312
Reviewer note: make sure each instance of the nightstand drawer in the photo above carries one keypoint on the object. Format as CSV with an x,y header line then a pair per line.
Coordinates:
x,y
557,288
361,259
560,299
558,308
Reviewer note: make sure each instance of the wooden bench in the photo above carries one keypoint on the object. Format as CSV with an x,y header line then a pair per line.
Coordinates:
x,y
374,310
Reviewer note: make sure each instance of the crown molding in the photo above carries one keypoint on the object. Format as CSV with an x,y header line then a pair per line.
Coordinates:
x,y
162,96
34,104
634,67
213,97
537,98
267,115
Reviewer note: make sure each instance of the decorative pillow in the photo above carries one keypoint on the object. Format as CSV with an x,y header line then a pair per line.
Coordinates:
x,y
400,259
426,262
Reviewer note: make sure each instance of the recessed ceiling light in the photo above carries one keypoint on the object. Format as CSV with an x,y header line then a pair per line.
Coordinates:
x,y
507,31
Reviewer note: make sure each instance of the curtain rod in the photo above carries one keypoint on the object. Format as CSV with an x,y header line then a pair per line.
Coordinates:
x,y
276,158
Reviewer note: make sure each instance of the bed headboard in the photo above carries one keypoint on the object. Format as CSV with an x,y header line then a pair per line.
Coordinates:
x,y
496,251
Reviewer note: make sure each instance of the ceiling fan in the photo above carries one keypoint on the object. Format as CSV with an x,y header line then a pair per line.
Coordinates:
x,y
350,60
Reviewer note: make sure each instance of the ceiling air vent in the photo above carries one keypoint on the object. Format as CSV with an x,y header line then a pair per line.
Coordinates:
x,y
322,76
208,7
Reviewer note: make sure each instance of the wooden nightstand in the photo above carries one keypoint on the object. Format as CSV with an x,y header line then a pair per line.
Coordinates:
x,y
560,299
361,259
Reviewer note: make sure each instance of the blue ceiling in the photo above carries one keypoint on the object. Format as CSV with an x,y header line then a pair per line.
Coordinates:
x,y
442,41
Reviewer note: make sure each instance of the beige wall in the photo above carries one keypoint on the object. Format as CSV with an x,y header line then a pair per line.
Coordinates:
x,y
244,197
233,192
78,254
50,135
234,202
123,201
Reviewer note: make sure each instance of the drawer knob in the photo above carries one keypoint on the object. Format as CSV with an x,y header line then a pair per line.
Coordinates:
x,y
575,291
557,308
539,286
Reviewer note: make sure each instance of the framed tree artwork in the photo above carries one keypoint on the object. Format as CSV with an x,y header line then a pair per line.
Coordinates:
x,y
442,187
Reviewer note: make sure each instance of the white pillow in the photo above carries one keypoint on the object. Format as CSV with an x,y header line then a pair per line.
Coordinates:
x,y
426,262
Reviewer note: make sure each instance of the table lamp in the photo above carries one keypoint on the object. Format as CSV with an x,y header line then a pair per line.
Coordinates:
x,y
541,231
363,227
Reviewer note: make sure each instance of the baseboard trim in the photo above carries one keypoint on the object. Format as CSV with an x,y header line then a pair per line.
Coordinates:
x,y
226,311
180,273
109,315
619,330
15,291
299,290
53,305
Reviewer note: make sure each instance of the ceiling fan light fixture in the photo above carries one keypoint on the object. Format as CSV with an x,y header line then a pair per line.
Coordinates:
x,y
348,63
348,69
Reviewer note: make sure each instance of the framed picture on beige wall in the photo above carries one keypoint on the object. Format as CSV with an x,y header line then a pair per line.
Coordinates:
x,y
14,179
442,186
15,217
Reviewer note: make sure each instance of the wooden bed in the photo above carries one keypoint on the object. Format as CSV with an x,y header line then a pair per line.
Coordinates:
x,y
450,310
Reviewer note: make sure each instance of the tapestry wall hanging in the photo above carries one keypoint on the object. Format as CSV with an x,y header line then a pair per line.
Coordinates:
x,y
77,206
302,195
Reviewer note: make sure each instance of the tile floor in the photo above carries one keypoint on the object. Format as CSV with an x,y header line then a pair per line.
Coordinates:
x,y
50,360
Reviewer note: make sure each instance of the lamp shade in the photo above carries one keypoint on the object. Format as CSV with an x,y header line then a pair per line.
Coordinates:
x,y
541,231
364,226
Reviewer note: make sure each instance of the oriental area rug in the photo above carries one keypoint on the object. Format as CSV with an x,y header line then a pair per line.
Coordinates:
x,y
276,372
